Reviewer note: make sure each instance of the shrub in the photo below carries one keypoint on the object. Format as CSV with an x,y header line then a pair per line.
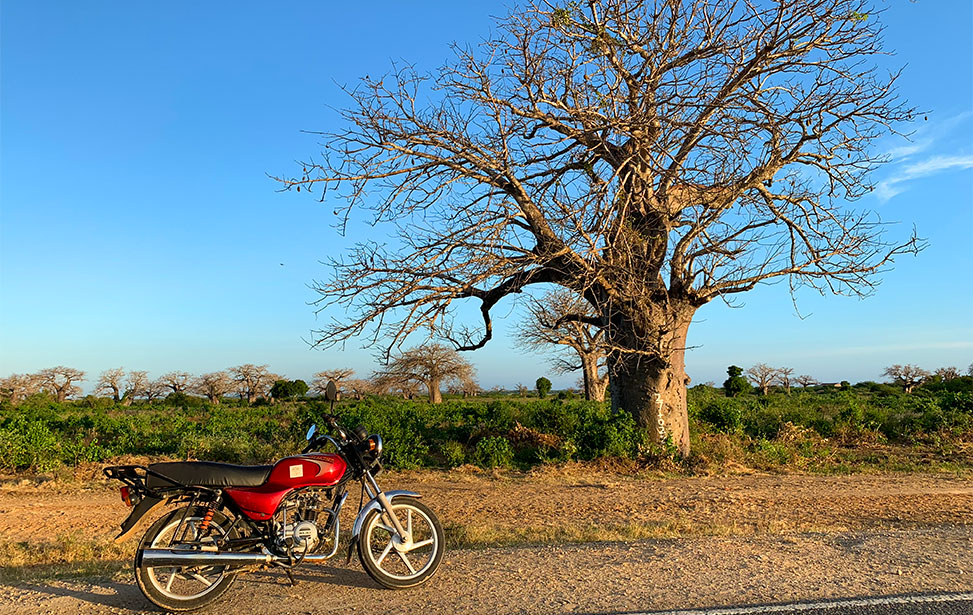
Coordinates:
x,y
725,415
493,452
453,453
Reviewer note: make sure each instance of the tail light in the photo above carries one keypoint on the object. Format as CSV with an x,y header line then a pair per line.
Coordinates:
x,y
126,495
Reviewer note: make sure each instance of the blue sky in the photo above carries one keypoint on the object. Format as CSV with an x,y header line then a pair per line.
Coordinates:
x,y
138,226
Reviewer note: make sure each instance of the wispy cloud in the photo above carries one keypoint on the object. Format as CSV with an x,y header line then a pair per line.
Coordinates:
x,y
888,188
906,165
924,137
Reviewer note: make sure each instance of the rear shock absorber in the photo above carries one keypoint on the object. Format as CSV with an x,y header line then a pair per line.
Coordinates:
x,y
207,518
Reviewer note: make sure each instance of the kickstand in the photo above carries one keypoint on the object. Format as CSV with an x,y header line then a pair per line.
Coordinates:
x,y
290,576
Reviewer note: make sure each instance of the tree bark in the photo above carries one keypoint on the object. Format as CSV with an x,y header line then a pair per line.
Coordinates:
x,y
594,386
435,395
653,388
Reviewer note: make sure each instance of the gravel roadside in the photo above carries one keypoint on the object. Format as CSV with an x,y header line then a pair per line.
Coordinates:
x,y
592,578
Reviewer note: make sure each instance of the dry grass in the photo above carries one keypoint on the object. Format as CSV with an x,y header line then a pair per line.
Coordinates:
x,y
68,555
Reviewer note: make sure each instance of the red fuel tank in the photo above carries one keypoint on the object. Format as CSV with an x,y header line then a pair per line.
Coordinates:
x,y
316,469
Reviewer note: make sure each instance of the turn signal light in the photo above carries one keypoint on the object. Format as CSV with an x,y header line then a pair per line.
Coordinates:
x,y
126,496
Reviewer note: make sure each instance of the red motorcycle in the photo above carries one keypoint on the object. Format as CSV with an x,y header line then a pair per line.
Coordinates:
x,y
235,519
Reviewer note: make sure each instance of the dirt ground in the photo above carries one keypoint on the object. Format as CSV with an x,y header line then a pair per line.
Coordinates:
x,y
659,543
540,507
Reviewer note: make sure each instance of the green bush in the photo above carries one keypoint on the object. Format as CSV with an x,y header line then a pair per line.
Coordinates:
x,y
543,386
493,452
453,453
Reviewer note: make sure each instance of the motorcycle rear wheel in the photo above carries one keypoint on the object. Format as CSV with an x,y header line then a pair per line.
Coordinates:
x,y
183,588
390,561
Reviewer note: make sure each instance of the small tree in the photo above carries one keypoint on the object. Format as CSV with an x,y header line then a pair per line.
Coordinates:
x,y
735,384
805,381
522,389
543,386
288,389
60,381
762,375
906,376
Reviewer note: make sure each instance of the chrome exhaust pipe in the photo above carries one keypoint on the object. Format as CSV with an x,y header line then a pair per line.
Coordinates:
x,y
152,558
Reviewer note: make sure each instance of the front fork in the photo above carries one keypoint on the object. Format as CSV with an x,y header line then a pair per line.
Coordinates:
x,y
380,500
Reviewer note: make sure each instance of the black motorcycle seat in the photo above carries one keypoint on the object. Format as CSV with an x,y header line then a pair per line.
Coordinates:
x,y
205,474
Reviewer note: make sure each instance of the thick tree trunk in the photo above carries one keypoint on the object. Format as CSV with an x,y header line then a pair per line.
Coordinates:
x,y
435,395
653,389
594,385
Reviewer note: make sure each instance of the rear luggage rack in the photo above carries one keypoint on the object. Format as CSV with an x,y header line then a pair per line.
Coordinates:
x,y
134,476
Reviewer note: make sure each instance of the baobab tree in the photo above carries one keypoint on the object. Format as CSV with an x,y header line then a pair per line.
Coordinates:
x,y
906,376
136,386
649,155
339,377
252,381
60,381
213,386
110,381
177,382
805,381
16,387
784,378
762,376
549,322
432,366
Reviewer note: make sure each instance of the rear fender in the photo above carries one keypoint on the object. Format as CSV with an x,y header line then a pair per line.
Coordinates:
x,y
144,506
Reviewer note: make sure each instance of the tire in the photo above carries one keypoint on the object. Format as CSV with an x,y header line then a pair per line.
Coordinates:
x,y
412,564
157,583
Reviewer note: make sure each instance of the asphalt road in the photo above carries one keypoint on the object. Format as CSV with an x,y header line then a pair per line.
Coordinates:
x,y
921,604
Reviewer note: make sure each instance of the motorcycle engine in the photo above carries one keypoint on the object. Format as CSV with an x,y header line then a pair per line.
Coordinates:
x,y
296,529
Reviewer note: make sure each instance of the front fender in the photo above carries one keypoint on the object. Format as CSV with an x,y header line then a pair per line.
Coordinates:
x,y
375,504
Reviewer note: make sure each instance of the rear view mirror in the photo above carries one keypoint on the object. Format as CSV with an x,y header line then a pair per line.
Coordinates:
x,y
331,392
313,429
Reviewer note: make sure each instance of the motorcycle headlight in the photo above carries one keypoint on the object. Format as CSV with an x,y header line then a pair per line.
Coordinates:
x,y
375,444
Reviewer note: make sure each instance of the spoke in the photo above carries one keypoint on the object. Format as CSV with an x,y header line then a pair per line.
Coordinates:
x,y
172,577
408,527
390,530
206,581
381,558
407,562
419,545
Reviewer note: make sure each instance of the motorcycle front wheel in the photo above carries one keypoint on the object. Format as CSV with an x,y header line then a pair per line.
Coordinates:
x,y
394,562
184,588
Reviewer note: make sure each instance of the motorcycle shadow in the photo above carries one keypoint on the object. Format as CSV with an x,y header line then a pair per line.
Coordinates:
x,y
113,594
349,577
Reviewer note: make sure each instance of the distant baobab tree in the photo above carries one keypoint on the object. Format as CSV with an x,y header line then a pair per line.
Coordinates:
x,y
549,323
906,376
110,382
60,381
650,156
